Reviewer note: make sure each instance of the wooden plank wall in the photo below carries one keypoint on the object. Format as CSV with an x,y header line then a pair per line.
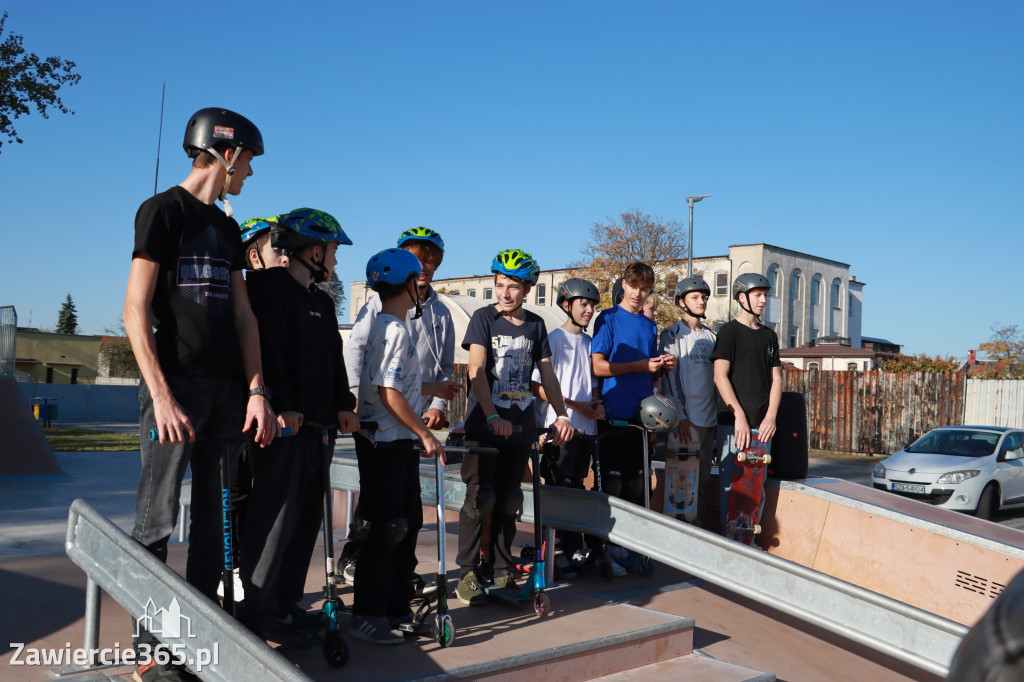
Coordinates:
x,y
876,412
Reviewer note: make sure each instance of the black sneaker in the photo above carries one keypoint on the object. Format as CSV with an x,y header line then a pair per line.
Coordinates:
x,y
311,622
375,630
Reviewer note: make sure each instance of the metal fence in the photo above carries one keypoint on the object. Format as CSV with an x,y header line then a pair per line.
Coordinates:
x,y
876,412
995,402
8,339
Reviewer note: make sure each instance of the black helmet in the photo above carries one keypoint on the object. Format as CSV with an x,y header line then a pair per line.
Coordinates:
x,y
691,284
749,281
658,413
212,125
576,287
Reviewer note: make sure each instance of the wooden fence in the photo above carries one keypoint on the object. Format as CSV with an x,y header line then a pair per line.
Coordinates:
x,y
876,412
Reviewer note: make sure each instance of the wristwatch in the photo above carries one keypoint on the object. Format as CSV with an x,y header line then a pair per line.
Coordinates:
x,y
260,390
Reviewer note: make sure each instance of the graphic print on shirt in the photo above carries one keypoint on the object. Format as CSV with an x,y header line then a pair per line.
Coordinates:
x,y
701,351
202,277
513,362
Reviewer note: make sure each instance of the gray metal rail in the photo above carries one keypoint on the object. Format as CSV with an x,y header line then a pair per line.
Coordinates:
x,y
186,620
892,627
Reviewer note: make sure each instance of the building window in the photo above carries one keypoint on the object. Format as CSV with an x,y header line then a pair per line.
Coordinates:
x,y
815,291
472,293
814,335
813,365
456,292
74,375
542,294
721,284
836,287
851,366
793,334
794,286
773,279
488,293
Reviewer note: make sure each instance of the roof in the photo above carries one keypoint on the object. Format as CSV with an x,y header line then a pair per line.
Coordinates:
x,y
827,351
872,339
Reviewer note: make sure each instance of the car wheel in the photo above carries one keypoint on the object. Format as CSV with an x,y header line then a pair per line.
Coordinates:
x,y
988,503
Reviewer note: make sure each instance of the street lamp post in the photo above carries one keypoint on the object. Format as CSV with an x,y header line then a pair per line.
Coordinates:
x,y
689,261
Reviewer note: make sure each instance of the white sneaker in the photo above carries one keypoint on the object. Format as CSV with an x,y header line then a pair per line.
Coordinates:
x,y
348,572
237,582
579,557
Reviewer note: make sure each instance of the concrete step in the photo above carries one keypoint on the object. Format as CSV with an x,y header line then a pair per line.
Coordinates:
x,y
696,667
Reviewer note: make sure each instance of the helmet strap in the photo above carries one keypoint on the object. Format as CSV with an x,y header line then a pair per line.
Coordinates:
x,y
510,313
689,312
572,318
319,273
416,301
745,307
229,169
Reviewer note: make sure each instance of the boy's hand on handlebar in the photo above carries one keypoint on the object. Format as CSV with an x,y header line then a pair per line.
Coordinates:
x,y
172,424
433,419
291,420
432,448
348,422
563,431
500,427
258,410
597,408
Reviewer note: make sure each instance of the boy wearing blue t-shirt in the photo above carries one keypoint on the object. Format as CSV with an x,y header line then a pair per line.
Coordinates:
x,y
625,356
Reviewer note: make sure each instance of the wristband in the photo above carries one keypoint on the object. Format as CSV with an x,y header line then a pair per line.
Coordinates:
x,y
493,416
563,417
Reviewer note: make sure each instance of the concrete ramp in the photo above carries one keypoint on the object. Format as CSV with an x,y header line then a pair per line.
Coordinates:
x,y
25,450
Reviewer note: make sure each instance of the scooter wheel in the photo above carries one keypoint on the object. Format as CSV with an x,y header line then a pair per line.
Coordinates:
x,y
335,650
444,630
529,553
541,604
646,566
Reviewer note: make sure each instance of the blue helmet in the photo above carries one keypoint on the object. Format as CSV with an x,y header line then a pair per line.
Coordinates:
x,y
516,263
254,227
423,234
391,266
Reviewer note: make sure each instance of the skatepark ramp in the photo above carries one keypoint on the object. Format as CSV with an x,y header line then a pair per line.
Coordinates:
x,y
26,451
906,633
186,621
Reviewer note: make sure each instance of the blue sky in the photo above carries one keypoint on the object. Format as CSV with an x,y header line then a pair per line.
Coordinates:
x,y
886,135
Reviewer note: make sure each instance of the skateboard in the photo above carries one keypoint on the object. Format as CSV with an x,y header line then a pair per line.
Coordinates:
x,y
743,488
682,469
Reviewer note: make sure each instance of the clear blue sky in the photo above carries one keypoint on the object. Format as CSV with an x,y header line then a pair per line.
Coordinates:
x,y
887,135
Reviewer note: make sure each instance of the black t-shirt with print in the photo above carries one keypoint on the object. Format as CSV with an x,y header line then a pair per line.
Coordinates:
x,y
512,352
197,247
752,353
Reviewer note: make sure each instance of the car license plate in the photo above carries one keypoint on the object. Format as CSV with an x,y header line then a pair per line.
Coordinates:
x,y
917,488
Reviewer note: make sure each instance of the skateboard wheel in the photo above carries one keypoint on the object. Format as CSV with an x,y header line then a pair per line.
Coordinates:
x,y
335,650
541,604
444,630
757,529
767,459
741,457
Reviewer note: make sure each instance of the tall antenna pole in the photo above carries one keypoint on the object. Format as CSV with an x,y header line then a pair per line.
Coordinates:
x,y
159,137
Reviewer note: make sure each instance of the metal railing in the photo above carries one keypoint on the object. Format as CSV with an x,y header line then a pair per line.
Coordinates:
x,y
184,619
892,627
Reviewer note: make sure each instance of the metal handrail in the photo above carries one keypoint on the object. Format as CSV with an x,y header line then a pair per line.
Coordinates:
x,y
907,633
140,583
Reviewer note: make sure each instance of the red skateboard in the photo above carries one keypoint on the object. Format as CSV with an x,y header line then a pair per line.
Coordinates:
x,y
742,512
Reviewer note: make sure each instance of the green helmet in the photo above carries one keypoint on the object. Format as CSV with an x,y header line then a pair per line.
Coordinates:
x,y
305,226
516,263
424,234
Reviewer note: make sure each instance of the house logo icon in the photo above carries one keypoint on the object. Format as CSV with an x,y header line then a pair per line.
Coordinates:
x,y
164,623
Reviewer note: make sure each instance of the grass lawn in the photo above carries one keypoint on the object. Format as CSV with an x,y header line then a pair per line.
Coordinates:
x,y
89,440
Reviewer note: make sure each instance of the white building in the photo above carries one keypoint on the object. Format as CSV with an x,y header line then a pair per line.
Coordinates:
x,y
811,297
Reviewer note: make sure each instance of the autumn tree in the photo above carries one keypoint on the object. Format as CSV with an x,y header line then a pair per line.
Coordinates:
x,y
1005,353
635,235
67,318
27,80
335,288
919,363
118,355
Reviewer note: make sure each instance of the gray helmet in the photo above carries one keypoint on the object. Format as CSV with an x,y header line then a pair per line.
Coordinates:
x,y
208,127
749,281
691,284
658,413
576,287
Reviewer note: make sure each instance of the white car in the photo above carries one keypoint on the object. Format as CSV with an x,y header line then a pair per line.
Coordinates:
x,y
975,469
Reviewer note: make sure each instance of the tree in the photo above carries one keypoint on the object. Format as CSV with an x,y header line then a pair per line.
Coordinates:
x,y
67,318
919,363
1005,353
118,355
26,79
635,235
335,288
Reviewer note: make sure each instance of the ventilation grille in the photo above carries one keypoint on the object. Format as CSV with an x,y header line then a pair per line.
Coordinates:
x,y
977,584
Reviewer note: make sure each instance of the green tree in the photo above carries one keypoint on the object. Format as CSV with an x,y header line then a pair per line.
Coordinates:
x,y
67,318
335,288
118,355
635,235
919,363
28,80
1005,353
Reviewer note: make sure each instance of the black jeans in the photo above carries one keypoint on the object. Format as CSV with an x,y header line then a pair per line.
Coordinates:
x,y
216,408
389,492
